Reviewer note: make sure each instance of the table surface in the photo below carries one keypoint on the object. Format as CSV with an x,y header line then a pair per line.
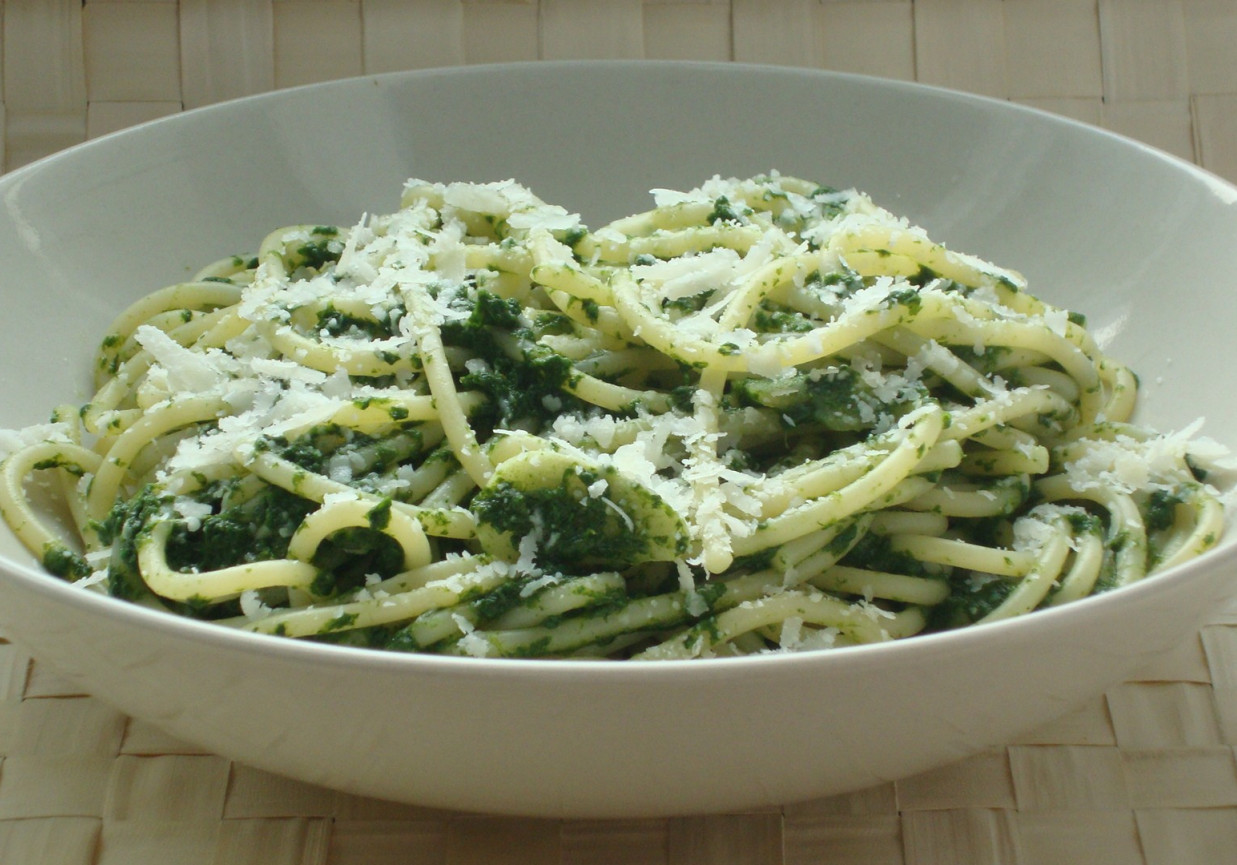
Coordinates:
x,y
1144,774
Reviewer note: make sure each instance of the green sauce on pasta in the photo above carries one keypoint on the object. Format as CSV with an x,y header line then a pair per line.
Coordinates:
x,y
763,415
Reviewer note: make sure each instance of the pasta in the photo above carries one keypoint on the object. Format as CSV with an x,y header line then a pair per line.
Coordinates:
x,y
763,415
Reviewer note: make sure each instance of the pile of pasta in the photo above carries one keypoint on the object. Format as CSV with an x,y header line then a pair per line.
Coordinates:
x,y
763,415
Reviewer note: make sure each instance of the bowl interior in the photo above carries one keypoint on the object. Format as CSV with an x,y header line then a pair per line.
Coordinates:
x,y
1107,227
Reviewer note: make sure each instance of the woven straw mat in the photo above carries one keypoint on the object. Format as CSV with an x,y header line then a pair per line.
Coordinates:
x,y
1142,775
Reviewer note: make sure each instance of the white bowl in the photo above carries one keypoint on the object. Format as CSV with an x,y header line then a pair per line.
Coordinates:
x,y
1140,242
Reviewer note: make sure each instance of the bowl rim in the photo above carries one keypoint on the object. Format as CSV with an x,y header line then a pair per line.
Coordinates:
x,y
1225,189
32,578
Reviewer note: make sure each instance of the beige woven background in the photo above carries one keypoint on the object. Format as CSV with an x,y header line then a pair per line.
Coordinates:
x,y
1143,775
1157,70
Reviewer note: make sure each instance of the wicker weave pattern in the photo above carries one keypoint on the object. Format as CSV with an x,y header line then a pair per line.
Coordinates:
x,y
1157,70
1144,775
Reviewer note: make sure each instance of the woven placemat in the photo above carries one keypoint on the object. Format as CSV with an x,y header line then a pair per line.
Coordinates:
x,y
1144,774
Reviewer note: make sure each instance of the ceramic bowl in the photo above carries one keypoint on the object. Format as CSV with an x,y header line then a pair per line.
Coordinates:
x,y
1140,242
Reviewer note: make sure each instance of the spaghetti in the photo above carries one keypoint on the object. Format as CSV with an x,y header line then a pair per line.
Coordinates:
x,y
761,416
